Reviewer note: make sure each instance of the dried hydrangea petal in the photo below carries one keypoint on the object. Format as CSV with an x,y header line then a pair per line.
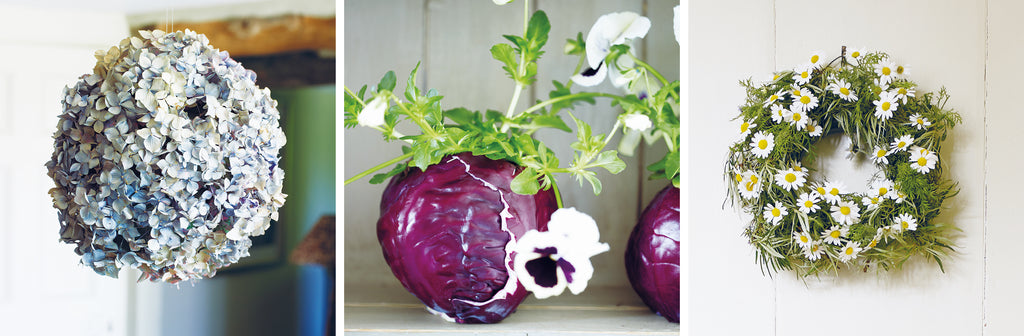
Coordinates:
x,y
166,159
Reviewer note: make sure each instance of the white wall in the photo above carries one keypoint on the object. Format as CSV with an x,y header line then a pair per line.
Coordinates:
x,y
973,49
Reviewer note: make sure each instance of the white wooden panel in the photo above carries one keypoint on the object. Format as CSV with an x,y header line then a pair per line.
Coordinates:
x,y
5,240
729,41
949,303
660,50
1003,275
5,105
373,49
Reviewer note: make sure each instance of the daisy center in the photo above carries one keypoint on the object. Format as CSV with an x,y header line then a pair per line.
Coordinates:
x,y
855,54
750,187
883,191
834,234
848,251
796,116
844,91
763,144
873,243
899,69
739,177
810,128
790,177
803,239
821,190
804,74
805,100
844,210
743,128
814,59
885,106
774,97
922,162
881,153
901,144
834,192
753,179
776,213
902,91
808,204
920,121
886,71
905,225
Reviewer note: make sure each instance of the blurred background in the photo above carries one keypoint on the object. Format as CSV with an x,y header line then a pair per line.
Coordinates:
x,y
43,289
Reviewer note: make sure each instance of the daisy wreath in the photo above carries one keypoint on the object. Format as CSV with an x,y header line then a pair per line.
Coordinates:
x,y
816,226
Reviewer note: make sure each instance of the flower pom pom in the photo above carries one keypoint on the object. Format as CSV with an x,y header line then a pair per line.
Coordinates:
x,y
166,159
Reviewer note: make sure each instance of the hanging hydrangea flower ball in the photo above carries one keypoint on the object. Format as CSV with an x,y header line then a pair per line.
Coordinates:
x,y
166,159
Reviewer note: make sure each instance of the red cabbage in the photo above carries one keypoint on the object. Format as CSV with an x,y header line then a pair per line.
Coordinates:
x,y
652,255
443,234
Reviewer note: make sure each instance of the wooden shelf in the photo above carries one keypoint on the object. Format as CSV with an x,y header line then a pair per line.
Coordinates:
x,y
598,311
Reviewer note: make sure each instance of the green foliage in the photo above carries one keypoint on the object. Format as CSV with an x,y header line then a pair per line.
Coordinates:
x,y
925,193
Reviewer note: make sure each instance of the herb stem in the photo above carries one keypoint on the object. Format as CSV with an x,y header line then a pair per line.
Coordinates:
x,y
360,101
519,72
655,73
379,167
608,138
567,97
558,195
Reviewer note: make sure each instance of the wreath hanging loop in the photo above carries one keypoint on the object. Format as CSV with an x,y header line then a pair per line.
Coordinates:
x,y
814,226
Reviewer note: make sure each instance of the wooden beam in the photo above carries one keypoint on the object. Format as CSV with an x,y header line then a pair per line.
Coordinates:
x,y
263,36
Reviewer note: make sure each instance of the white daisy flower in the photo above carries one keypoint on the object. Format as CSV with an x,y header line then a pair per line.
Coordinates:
x,y
846,212
762,144
885,105
795,91
806,102
902,143
746,126
814,251
919,122
873,242
832,191
803,239
902,71
841,88
778,113
900,196
832,235
903,93
802,74
775,213
856,55
797,118
886,71
904,222
749,184
817,59
872,202
798,167
564,250
850,251
774,97
879,155
922,160
808,203
883,189
813,129
790,179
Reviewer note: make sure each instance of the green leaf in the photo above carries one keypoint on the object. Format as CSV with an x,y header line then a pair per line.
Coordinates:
x,y
541,121
526,182
594,182
507,56
462,116
388,82
609,160
537,33
379,178
411,91
672,164
575,47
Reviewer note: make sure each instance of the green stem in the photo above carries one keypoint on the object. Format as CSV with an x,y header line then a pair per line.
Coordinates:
x,y
360,101
519,72
379,167
558,195
608,138
567,97
655,73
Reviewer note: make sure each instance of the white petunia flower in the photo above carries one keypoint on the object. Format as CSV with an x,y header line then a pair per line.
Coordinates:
x,y
797,118
885,105
805,102
813,129
886,71
677,24
879,155
609,30
802,74
902,143
841,88
808,202
834,233
779,113
548,262
749,185
817,59
762,144
746,126
372,114
832,191
850,251
790,179
903,93
774,98
919,122
904,222
803,239
636,121
846,212
774,213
